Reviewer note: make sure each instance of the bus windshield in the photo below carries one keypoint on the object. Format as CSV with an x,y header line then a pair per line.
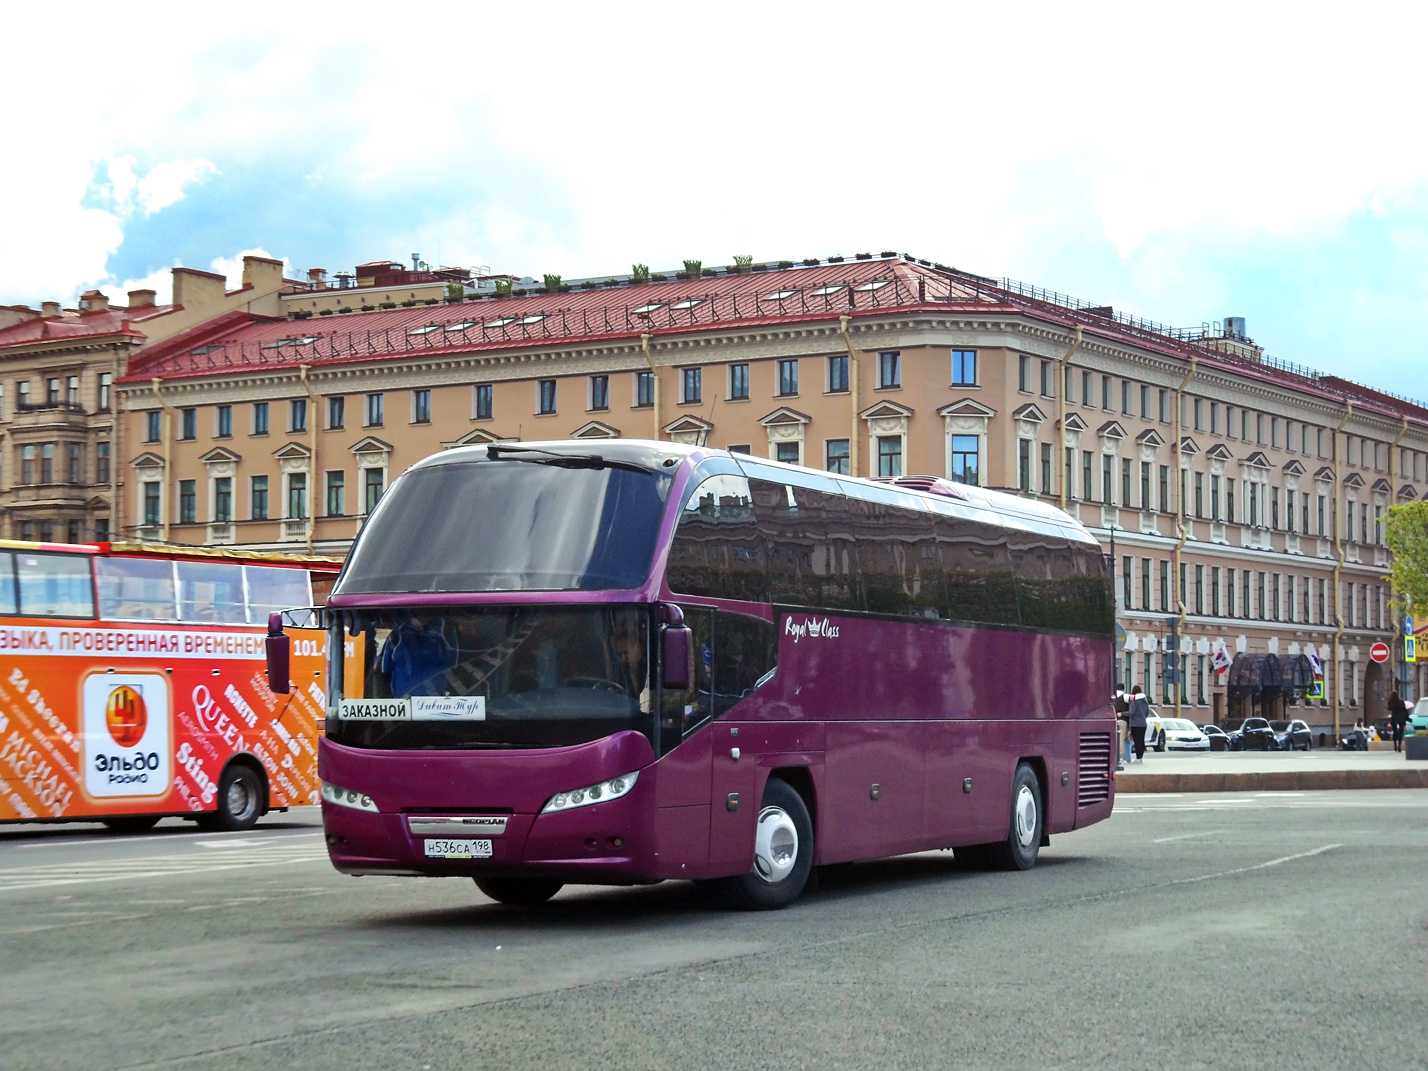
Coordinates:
x,y
530,676
510,524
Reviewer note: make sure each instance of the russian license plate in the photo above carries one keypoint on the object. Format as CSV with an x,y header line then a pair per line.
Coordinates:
x,y
444,848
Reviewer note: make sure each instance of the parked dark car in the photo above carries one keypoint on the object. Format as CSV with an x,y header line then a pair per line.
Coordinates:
x,y
1219,739
1250,734
1293,735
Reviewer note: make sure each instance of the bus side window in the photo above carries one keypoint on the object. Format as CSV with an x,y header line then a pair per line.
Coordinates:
x,y
745,654
897,558
55,585
211,593
1044,593
976,572
9,596
136,589
272,588
718,552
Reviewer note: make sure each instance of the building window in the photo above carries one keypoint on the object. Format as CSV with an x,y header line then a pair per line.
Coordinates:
x,y
74,463
1069,464
837,376
965,452
1045,467
1199,589
71,397
1274,508
421,407
336,493
645,389
787,377
297,414
336,413
691,387
889,455
47,463
101,463
223,499
1199,410
188,501
47,531
1047,387
371,488
1023,464
1106,399
1214,498
1164,410
890,370
106,391
836,455
1125,397
297,495
1125,481
101,529
1229,501
1145,583
545,396
483,401
1126,582
153,421
22,395
1145,500
739,381
52,391
1085,388
375,410
1215,591
1246,608
1199,494
1164,488
964,368
188,424
787,453
1144,402
260,418
151,503
223,428
1229,593
259,498
1165,585
599,393
1107,488
28,456
741,448
1087,494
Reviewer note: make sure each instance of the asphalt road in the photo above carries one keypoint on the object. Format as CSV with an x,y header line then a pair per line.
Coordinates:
x,y
1257,931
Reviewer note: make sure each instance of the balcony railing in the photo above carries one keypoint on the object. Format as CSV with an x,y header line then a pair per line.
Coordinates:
x,y
51,407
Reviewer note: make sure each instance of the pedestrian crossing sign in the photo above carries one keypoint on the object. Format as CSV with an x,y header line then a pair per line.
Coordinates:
x,y
1316,690
1410,649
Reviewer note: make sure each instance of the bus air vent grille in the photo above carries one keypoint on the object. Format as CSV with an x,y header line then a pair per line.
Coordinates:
x,y
1093,783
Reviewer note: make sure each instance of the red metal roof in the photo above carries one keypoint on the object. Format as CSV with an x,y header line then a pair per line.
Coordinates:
x,y
72,325
240,341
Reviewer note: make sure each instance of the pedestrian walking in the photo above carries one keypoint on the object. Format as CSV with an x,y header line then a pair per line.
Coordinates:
x,y
1398,716
1122,705
1139,714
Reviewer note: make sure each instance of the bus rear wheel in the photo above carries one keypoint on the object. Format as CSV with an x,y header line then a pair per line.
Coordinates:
x,y
1023,844
783,853
135,823
240,800
519,892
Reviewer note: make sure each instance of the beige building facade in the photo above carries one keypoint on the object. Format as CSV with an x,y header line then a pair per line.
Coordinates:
x,y
60,443
1243,499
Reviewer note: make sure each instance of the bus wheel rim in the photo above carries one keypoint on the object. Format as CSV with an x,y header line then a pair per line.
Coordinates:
x,y
775,845
1025,817
239,799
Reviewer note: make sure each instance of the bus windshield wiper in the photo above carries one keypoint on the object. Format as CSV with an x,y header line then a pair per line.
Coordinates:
x,y
566,461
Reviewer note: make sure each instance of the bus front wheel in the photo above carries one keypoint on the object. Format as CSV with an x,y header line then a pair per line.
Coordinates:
x,y
1023,843
519,892
783,852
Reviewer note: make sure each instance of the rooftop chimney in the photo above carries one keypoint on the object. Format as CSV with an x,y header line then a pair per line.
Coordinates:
x,y
50,308
317,278
1235,327
93,301
140,299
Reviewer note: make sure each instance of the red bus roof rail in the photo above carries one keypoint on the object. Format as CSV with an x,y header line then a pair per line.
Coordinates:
x,y
932,485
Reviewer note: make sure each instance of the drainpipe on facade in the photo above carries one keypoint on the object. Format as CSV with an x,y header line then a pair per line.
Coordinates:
x,y
1061,416
1180,523
654,380
116,451
1395,613
312,465
843,322
1338,565
164,425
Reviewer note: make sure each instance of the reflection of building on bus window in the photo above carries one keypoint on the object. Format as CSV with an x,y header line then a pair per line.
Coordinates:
x,y
211,592
136,589
50,585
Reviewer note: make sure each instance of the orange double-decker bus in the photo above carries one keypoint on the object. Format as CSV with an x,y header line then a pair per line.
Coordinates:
x,y
133,686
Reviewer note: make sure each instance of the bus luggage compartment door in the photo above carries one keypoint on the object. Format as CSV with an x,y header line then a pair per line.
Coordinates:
x,y
733,808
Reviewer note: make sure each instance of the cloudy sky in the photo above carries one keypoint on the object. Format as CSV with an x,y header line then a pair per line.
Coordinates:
x,y
1232,160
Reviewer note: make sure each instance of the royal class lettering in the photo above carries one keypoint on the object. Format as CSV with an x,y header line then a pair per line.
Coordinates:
x,y
811,628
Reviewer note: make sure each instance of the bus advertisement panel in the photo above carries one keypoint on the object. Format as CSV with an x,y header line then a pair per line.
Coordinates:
x,y
659,662
132,685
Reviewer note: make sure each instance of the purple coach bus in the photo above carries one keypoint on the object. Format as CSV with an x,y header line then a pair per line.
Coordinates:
x,y
625,662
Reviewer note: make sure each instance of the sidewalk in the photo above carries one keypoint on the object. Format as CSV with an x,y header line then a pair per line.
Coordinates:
x,y
1274,771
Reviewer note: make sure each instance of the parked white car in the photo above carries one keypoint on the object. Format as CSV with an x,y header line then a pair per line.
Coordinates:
x,y
1175,734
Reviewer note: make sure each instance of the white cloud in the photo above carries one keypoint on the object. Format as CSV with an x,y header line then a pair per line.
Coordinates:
x,y
164,184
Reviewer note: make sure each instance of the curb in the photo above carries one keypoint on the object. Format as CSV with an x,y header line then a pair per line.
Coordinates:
x,y
1285,781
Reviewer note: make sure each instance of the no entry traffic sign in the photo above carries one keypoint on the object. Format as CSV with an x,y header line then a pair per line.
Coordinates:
x,y
1379,652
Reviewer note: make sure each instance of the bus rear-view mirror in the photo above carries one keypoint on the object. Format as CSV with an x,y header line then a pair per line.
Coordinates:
x,y
279,651
677,658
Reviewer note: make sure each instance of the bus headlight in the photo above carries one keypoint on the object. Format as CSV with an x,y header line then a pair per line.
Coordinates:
x,y
345,797
612,789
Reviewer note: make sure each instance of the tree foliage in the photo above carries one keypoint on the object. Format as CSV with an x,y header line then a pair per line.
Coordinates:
x,y
1407,535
